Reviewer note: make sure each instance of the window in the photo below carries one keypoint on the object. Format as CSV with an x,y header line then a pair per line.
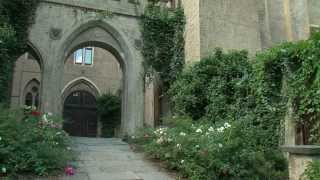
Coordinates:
x,y
31,94
84,56
32,97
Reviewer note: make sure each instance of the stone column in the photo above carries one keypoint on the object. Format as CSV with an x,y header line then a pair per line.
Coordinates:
x,y
51,84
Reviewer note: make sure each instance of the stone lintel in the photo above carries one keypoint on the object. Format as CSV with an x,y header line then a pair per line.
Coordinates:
x,y
310,150
113,6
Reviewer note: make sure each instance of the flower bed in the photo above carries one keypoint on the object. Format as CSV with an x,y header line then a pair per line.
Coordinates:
x,y
32,144
205,151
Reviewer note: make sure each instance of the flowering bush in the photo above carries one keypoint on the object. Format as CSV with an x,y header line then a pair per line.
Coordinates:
x,y
31,143
203,150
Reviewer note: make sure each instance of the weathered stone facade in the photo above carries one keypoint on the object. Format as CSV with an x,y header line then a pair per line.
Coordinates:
x,y
104,75
245,24
62,26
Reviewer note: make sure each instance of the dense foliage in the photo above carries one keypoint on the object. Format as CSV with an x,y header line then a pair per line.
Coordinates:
x,y
16,16
31,143
222,87
207,151
109,110
289,73
7,45
214,87
163,42
313,170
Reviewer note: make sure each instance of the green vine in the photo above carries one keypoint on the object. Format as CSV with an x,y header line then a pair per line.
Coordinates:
x,y
163,42
16,16
289,73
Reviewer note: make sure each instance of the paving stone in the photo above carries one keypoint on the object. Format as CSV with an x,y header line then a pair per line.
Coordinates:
x,y
112,159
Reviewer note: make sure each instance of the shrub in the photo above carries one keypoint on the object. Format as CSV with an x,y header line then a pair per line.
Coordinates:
x,y
109,110
32,144
313,170
203,150
213,87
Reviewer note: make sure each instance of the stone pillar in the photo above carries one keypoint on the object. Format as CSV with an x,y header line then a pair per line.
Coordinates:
x,y
299,158
51,85
151,113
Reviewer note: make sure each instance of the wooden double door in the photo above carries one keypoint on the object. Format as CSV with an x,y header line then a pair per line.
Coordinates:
x,y
80,114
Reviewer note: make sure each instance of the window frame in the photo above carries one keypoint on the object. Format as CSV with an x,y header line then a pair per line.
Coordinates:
x,y
83,57
92,56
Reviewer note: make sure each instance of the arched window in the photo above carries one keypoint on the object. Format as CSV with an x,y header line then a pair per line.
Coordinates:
x,y
31,94
28,100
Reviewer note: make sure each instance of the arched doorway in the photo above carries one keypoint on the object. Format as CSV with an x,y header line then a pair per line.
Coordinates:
x,y
80,114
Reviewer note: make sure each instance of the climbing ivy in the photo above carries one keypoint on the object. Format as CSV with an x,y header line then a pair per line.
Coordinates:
x,y
289,74
163,42
16,16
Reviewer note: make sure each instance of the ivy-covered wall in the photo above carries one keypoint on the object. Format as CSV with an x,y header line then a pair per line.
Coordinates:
x,y
16,16
163,42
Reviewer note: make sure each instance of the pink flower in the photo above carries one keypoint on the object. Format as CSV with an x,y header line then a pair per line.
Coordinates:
x,y
70,171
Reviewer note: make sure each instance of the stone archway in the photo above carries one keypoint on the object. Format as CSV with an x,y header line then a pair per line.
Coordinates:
x,y
102,35
81,23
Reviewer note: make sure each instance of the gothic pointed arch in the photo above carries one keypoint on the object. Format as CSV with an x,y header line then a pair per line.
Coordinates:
x,y
31,94
80,84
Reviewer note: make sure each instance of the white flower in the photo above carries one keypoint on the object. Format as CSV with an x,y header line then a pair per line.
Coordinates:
x,y
133,137
4,170
211,129
183,134
68,148
44,118
56,143
227,125
58,133
220,145
160,140
179,146
199,131
0,138
197,146
182,161
221,129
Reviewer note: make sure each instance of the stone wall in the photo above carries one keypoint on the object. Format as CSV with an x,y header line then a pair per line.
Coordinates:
x,y
192,30
26,69
105,72
229,24
314,12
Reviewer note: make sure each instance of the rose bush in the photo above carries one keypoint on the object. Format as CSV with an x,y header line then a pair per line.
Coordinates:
x,y
31,143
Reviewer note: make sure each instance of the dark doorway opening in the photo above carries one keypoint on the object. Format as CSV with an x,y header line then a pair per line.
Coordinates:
x,y
80,114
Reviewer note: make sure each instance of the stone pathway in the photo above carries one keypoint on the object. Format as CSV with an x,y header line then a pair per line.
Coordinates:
x,y
112,159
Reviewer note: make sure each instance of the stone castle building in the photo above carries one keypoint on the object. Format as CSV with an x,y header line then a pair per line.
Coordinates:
x,y
81,49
